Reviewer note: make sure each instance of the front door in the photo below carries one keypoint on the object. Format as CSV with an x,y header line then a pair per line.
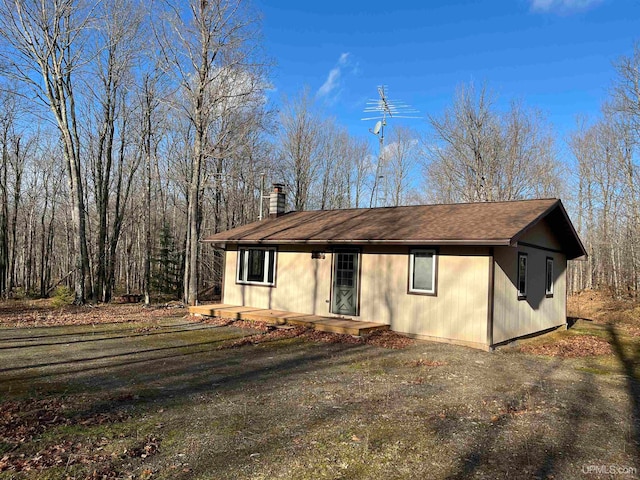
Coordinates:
x,y
345,283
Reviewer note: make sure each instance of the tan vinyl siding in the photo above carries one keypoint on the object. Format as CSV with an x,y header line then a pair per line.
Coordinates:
x,y
542,235
302,283
457,312
513,317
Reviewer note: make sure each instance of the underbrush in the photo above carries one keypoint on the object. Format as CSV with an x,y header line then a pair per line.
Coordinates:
x,y
602,307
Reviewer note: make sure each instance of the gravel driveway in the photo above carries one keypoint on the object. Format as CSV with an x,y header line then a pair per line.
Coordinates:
x,y
180,399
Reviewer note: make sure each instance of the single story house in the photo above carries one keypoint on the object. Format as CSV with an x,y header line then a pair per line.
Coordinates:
x,y
476,274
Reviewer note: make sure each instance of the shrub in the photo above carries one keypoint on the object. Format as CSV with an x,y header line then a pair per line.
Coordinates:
x,y
62,296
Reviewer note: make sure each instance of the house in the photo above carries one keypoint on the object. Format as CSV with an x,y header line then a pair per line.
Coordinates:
x,y
476,274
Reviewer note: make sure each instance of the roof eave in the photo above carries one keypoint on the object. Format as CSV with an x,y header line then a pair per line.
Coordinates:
x,y
478,242
582,252
514,240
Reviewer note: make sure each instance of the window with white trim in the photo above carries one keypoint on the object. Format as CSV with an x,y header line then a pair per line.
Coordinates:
x,y
548,288
522,275
422,271
256,266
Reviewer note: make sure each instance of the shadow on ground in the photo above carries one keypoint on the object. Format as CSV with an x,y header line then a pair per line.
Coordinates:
x,y
224,402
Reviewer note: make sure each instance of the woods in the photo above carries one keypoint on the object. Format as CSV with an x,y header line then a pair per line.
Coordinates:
x,y
478,153
606,187
129,131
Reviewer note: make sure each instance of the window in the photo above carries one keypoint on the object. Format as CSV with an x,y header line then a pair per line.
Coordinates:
x,y
422,271
345,269
256,266
548,288
522,275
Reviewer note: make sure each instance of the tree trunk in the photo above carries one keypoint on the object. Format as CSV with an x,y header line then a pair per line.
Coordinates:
x,y
147,219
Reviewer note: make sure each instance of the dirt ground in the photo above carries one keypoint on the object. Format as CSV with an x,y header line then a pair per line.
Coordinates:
x,y
158,395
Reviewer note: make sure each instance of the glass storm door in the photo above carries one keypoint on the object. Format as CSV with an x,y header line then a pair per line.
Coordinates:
x,y
345,283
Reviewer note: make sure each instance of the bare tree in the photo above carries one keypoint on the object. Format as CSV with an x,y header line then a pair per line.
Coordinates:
x,y
9,143
607,202
49,188
608,187
149,103
625,102
118,46
300,147
477,153
626,89
357,169
207,46
400,160
44,41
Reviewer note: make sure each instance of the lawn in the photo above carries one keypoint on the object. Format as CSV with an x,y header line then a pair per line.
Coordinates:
x,y
157,395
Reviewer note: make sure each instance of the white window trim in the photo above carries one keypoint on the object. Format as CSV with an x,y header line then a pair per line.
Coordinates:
x,y
548,267
523,295
433,270
245,265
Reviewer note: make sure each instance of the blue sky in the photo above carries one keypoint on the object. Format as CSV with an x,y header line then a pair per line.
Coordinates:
x,y
555,55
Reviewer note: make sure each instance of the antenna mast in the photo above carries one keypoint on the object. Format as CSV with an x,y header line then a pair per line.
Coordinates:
x,y
380,109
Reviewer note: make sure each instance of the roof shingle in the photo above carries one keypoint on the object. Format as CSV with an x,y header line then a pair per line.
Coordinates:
x,y
488,223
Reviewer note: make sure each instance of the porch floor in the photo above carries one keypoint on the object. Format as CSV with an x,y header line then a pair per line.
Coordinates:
x,y
281,317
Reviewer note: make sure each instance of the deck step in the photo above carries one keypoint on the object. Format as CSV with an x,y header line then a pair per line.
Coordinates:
x,y
277,317
282,317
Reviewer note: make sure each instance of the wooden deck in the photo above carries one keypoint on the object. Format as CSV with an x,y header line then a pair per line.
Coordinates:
x,y
281,317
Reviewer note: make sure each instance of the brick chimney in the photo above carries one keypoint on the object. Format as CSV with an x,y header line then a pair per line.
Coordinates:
x,y
277,201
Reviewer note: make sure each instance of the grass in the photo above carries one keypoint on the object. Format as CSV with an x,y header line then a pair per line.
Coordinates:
x,y
183,400
610,364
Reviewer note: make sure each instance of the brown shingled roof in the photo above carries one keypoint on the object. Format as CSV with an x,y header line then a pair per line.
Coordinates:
x,y
488,223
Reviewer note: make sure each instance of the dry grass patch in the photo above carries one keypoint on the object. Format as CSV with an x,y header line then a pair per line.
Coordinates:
x,y
423,362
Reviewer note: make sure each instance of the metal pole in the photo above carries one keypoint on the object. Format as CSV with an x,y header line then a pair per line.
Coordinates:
x,y
374,190
261,196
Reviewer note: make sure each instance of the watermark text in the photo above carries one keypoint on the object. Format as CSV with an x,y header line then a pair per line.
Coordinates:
x,y
609,470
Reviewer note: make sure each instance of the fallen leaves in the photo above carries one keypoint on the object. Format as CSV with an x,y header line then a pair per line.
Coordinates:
x,y
326,337
603,307
22,314
571,347
22,422
65,453
384,339
34,314
216,321
631,330
389,339
149,446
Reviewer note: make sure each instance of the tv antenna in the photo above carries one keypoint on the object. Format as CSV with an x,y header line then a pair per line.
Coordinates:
x,y
379,109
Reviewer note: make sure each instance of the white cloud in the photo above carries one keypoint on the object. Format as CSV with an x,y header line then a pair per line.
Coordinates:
x,y
394,149
562,5
332,83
